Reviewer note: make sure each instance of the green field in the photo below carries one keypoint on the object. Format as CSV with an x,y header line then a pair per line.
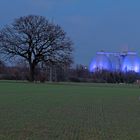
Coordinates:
x,y
69,111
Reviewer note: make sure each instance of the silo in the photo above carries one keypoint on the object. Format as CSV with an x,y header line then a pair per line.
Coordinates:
x,y
131,62
100,62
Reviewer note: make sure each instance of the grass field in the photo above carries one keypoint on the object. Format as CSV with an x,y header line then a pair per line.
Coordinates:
x,y
69,111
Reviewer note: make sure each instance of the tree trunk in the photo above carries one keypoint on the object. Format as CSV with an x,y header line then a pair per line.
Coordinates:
x,y
32,73
51,74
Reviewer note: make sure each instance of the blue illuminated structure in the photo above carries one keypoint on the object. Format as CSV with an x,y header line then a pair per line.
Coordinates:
x,y
101,62
131,63
124,62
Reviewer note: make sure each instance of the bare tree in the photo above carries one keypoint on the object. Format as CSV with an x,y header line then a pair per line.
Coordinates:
x,y
35,39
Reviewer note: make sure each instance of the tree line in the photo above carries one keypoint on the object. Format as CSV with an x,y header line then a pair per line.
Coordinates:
x,y
65,73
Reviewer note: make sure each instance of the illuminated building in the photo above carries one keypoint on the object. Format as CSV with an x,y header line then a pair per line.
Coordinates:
x,y
123,61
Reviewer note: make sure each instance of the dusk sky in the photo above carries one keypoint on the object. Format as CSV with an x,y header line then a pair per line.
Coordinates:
x,y
93,25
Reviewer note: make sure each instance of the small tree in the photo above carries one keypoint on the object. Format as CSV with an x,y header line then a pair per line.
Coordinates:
x,y
35,39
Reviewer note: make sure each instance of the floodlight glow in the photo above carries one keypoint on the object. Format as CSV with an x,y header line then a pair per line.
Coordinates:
x,y
131,63
101,62
124,62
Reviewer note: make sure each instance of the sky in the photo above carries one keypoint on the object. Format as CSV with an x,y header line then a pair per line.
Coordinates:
x,y
93,25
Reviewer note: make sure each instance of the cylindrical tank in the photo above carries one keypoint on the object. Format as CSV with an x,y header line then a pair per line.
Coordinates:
x,y
100,62
131,62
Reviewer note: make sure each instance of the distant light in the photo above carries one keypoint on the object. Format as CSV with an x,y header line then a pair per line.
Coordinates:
x,y
85,68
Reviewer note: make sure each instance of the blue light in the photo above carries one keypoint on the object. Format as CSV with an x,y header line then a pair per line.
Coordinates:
x,y
131,63
101,62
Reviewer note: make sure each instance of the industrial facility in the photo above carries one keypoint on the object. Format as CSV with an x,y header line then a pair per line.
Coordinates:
x,y
121,61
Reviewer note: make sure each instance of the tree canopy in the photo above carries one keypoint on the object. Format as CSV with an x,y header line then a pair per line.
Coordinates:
x,y
36,40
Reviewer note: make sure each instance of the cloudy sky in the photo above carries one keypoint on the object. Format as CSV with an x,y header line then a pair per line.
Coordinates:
x,y
93,25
